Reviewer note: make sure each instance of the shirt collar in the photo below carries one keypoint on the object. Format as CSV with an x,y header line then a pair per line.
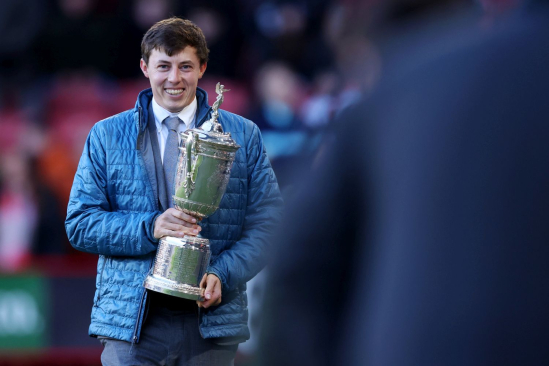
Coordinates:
x,y
186,115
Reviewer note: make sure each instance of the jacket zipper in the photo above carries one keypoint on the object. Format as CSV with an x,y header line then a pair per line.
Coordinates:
x,y
101,278
139,316
139,312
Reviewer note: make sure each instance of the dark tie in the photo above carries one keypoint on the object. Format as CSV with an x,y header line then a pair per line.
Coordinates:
x,y
171,153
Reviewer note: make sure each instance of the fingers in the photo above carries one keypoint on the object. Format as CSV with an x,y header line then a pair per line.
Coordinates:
x,y
175,223
182,216
178,232
202,286
211,286
184,223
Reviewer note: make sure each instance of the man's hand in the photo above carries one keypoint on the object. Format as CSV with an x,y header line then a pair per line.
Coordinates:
x,y
175,223
211,290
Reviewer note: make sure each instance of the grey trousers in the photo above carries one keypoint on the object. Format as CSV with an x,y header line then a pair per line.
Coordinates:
x,y
168,338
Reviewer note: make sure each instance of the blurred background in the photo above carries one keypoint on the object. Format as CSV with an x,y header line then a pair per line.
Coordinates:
x,y
292,66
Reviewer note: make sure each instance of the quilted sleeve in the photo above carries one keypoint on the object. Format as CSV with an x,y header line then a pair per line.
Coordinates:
x,y
91,225
248,255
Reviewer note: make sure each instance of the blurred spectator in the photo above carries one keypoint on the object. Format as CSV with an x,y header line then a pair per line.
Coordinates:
x,y
422,240
31,213
280,90
18,213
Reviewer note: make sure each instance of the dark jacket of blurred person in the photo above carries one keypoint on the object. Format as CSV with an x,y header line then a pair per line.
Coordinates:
x,y
423,240
119,209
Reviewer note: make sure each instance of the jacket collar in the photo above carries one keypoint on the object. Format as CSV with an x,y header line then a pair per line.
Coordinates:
x,y
203,107
144,99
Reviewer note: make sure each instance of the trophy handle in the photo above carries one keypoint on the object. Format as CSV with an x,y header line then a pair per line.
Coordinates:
x,y
190,144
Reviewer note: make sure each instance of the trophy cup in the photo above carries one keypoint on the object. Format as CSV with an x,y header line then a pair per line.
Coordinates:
x,y
206,156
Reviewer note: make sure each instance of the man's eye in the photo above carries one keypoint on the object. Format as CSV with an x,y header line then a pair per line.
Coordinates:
x,y
163,67
186,67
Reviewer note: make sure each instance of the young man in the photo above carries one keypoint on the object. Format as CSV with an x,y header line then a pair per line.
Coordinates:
x,y
120,206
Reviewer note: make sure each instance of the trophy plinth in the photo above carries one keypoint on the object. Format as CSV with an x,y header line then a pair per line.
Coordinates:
x,y
203,171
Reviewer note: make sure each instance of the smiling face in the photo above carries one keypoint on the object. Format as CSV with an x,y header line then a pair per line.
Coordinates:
x,y
173,78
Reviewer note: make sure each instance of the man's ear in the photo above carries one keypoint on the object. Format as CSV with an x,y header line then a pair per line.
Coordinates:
x,y
144,68
202,70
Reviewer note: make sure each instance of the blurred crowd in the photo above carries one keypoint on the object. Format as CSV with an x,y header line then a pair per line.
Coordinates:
x,y
66,64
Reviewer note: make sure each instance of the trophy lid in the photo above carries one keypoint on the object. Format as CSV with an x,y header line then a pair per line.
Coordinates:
x,y
211,132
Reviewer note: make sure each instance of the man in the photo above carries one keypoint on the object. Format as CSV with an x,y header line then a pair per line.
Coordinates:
x,y
120,206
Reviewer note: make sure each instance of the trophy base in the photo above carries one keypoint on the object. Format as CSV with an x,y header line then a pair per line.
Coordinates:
x,y
179,266
173,289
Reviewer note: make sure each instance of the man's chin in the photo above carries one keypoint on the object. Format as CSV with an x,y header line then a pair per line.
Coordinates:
x,y
175,107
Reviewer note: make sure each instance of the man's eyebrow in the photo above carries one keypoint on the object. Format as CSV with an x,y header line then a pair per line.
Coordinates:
x,y
162,61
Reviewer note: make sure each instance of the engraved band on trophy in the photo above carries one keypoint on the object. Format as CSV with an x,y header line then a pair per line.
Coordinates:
x,y
206,156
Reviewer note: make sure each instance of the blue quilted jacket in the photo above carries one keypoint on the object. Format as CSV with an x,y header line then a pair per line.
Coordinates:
x,y
113,206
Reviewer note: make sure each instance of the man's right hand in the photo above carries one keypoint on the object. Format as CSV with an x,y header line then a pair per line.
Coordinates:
x,y
175,223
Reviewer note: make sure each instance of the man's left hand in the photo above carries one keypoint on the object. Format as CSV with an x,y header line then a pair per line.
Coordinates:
x,y
211,290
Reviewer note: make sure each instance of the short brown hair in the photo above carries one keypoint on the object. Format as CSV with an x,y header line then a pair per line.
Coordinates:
x,y
172,36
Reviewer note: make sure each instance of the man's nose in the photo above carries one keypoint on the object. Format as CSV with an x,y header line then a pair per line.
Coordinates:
x,y
173,76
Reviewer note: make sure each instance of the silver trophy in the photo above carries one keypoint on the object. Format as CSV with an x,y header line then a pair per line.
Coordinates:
x,y
206,156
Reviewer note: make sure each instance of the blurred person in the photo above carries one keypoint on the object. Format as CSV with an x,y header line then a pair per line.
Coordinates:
x,y
422,239
280,92
31,218
18,212
318,109
120,207
47,174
